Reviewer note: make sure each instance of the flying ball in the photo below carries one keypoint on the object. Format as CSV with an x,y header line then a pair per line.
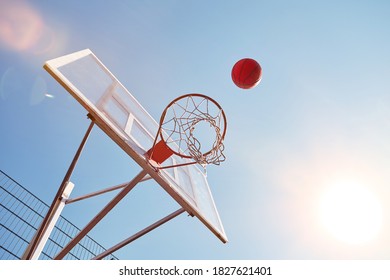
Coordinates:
x,y
246,73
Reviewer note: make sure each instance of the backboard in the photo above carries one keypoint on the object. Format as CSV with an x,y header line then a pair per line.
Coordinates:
x,y
115,110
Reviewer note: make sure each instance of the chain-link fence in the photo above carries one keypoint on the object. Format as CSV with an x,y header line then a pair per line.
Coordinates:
x,y
21,213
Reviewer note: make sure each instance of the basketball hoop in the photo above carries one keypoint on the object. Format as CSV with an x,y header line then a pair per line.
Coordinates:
x,y
192,126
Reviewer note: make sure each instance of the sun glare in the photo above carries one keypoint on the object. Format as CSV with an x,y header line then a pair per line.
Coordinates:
x,y
351,212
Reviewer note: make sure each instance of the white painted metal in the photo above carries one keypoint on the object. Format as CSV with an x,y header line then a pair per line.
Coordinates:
x,y
43,240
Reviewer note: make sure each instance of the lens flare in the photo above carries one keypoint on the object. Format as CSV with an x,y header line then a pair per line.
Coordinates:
x,y
20,26
23,29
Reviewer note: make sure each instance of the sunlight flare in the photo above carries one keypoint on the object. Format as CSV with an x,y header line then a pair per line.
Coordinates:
x,y
352,213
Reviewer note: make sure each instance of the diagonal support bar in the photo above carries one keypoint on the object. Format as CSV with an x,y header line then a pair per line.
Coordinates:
x,y
30,251
139,234
101,215
110,189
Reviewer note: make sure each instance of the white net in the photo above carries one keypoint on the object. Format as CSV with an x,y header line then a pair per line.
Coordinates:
x,y
194,126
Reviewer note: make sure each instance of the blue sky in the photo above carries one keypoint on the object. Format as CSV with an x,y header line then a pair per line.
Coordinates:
x,y
318,119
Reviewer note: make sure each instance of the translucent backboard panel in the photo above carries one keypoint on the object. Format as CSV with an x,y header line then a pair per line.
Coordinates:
x,y
115,110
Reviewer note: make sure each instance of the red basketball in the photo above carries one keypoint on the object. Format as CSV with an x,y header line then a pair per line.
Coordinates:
x,y
246,73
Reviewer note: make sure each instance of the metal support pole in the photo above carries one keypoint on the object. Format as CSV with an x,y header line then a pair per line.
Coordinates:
x,y
110,189
139,234
56,201
41,244
100,215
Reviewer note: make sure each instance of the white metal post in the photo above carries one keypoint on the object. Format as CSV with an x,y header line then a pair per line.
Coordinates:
x,y
46,234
